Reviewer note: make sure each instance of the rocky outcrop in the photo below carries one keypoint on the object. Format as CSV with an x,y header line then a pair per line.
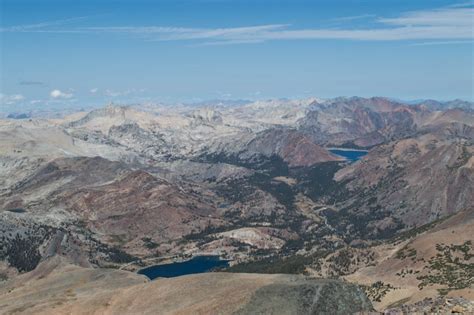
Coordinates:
x,y
293,147
139,205
415,180
307,297
360,121
206,116
122,205
409,272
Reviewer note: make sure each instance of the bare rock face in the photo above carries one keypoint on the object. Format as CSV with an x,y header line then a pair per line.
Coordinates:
x,y
307,297
139,205
206,116
98,209
57,287
292,146
131,135
360,121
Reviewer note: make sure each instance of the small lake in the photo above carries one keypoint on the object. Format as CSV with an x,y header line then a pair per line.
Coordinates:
x,y
197,264
350,155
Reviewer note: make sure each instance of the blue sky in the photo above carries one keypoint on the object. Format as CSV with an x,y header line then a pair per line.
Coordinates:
x,y
79,53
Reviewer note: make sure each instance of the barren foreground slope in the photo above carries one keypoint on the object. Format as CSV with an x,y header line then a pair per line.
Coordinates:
x,y
57,287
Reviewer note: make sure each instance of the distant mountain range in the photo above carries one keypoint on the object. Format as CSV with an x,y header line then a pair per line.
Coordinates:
x,y
440,105
217,103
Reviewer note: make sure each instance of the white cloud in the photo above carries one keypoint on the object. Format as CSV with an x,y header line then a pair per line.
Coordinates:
x,y
58,94
11,99
94,90
113,93
224,94
17,97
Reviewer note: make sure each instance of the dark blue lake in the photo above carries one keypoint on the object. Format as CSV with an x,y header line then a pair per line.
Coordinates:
x,y
351,155
197,264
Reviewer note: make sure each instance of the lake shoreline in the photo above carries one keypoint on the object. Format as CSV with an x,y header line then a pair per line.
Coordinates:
x,y
349,155
196,264
346,149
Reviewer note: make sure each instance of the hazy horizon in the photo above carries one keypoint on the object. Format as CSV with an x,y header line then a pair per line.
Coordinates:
x,y
91,53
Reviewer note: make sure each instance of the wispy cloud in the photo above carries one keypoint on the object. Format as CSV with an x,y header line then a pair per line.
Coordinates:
x,y
41,26
114,93
450,42
354,17
159,33
26,82
11,99
450,23
230,42
462,4
447,17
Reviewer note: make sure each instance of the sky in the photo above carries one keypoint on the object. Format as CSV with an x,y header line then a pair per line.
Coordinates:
x,y
81,53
